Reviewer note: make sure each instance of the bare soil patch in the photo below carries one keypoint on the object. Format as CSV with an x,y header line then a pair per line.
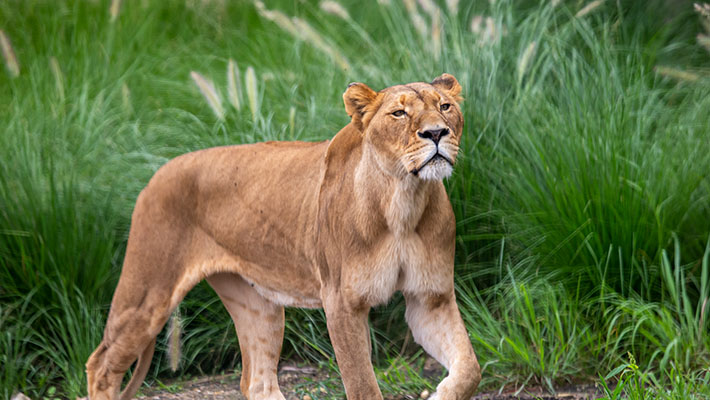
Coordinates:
x,y
300,383
226,386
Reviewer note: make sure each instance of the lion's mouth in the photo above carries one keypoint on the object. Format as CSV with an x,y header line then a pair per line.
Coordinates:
x,y
437,156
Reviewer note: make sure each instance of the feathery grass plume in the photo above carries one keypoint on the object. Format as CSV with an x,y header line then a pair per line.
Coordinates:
x,y
417,20
174,343
234,90
210,93
477,24
279,18
589,8
58,77
452,6
252,94
311,36
434,13
676,74
335,8
704,40
126,99
490,34
436,35
420,25
115,9
429,7
410,5
291,121
300,29
524,61
703,9
9,54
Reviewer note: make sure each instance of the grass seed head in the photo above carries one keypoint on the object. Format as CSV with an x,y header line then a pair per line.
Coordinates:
x,y
452,6
525,59
279,18
126,99
174,347
420,24
704,41
291,121
335,8
300,29
430,8
703,9
114,9
477,24
411,6
234,90
490,35
436,36
210,94
9,54
58,77
676,74
589,8
252,93
312,36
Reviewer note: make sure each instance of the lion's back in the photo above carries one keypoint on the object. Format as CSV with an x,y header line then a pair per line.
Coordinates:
x,y
245,195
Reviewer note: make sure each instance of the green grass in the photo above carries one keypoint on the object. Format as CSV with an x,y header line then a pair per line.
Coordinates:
x,y
582,192
632,383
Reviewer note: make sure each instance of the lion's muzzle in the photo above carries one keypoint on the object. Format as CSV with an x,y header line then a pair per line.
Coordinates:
x,y
434,134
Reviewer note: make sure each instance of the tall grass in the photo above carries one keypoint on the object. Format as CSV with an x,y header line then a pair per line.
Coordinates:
x,y
582,193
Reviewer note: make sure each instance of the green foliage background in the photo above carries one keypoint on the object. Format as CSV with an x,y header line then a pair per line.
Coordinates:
x,y
582,193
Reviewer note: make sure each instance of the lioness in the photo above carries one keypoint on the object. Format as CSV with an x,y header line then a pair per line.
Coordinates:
x,y
340,224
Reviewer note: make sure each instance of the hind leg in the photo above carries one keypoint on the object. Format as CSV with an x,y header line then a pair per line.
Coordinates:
x,y
130,333
154,279
260,328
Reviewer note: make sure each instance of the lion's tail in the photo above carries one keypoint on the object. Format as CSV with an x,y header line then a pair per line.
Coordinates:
x,y
140,372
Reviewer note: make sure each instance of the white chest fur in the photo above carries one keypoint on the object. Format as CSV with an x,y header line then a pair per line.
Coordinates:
x,y
399,259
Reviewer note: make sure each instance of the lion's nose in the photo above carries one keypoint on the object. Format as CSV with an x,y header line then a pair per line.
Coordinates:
x,y
434,134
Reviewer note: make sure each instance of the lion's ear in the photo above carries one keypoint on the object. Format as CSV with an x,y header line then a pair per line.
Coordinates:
x,y
448,84
357,98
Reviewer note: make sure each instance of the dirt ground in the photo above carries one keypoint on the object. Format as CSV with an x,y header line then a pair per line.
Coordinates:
x,y
294,382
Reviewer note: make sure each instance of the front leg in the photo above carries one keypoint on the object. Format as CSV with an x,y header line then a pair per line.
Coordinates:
x,y
437,326
350,335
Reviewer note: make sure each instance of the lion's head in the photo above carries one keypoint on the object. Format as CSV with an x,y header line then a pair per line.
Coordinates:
x,y
413,128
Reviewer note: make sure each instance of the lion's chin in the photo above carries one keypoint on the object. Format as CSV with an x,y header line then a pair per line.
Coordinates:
x,y
436,169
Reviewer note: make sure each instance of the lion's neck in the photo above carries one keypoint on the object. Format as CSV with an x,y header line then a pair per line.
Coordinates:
x,y
390,195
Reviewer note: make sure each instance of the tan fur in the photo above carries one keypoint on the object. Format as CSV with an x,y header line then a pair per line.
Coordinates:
x,y
340,224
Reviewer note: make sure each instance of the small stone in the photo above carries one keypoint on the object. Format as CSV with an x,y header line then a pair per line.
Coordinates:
x,y
307,397
424,395
19,396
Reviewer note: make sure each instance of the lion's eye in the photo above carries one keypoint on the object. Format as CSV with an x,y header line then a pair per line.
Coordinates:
x,y
399,113
445,107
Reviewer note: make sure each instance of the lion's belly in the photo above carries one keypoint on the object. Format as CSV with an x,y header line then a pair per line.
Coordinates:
x,y
398,262
287,298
